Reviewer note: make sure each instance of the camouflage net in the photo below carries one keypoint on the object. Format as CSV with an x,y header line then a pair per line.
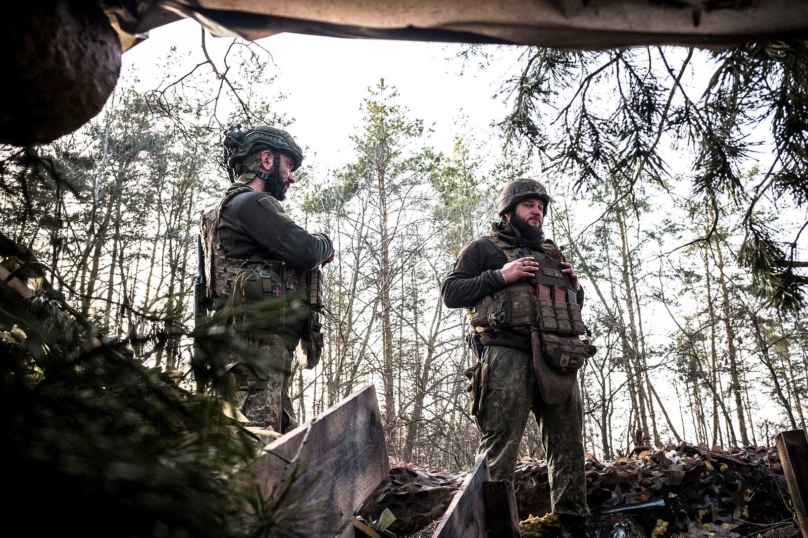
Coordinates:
x,y
680,489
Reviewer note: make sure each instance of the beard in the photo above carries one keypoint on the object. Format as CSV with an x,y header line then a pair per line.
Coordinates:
x,y
529,233
274,186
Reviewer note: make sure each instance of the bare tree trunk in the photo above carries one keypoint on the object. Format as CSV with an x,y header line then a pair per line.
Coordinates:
x,y
713,351
763,347
92,277
116,236
634,347
423,380
644,365
386,306
748,400
735,379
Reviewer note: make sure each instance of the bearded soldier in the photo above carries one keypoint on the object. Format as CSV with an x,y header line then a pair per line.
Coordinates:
x,y
523,304
262,271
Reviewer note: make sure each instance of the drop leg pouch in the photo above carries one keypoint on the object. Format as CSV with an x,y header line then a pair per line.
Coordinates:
x,y
555,387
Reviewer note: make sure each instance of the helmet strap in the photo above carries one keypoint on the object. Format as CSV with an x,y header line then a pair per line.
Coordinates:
x,y
263,175
276,164
272,179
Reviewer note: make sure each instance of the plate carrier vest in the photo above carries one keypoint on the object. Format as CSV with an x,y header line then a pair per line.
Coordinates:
x,y
546,303
258,295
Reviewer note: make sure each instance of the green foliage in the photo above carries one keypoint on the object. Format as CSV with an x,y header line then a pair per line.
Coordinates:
x,y
95,443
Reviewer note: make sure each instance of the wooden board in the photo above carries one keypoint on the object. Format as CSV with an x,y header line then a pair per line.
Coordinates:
x,y
14,284
341,457
465,517
363,531
500,509
792,446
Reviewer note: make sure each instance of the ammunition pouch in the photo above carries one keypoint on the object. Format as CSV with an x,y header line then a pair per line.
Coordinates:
x,y
314,289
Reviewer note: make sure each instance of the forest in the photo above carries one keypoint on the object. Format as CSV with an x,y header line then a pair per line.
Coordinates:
x,y
681,211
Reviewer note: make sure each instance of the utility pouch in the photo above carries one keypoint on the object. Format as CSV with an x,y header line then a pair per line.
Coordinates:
x,y
477,377
312,343
499,311
493,312
561,311
555,386
473,375
256,301
564,354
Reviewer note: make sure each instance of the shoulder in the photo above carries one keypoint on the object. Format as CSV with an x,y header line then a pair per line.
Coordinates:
x,y
254,200
482,246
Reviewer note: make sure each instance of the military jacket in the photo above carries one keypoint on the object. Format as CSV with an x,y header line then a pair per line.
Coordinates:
x,y
254,224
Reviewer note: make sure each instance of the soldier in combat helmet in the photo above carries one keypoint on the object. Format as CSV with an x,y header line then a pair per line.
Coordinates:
x,y
262,272
523,303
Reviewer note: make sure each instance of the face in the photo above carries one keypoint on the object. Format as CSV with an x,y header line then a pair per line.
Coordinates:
x,y
287,176
530,211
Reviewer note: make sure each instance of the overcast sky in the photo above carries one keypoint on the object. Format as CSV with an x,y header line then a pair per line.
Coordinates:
x,y
325,80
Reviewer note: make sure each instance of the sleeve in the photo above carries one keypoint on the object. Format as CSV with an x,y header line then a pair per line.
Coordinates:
x,y
469,281
268,224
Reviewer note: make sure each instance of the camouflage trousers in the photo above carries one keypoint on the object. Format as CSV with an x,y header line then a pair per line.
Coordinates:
x,y
264,399
512,393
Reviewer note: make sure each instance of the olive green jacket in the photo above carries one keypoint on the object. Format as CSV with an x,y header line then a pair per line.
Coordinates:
x,y
254,223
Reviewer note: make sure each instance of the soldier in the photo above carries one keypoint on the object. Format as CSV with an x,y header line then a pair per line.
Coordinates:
x,y
262,271
523,303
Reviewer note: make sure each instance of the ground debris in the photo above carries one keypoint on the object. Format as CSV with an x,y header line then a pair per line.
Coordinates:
x,y
539,527
677,490
698,486
611,526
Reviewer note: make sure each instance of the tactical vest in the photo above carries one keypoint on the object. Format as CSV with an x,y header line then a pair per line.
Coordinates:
x,y
261,296
546,303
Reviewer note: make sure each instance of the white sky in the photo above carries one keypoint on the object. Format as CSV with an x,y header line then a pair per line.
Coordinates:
x,y
325,80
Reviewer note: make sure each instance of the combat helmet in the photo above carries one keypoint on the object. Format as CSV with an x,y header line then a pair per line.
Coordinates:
x,y
521,189
239,144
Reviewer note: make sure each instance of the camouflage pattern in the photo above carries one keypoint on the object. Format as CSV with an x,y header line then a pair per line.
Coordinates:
x,y
511,393
263,396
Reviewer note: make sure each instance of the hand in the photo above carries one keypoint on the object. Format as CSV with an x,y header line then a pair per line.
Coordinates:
x,y
330,258
521,268
570,272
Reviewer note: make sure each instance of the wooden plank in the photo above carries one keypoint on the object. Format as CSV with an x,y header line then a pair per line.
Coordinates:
x,y
501,518
792,446
15,284
465,517
363,531
341,457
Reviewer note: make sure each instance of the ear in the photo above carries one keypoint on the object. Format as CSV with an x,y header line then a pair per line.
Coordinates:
x,y
507,216
266,159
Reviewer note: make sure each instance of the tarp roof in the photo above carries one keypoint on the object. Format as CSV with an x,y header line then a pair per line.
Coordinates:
x,y
572,24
